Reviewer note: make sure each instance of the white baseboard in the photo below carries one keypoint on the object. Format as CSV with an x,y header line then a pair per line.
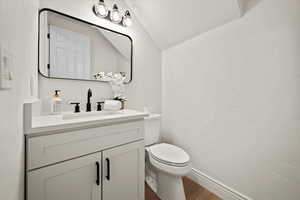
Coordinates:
x,y
216,187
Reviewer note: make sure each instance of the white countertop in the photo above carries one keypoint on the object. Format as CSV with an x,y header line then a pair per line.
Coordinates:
x,y
41,125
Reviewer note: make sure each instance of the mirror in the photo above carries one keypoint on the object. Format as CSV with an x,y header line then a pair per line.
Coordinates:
x,y
71,48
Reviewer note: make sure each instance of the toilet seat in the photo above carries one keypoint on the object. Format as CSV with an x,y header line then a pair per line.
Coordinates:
x,y
169,155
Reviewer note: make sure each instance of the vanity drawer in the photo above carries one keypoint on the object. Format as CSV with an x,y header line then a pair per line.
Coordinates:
x,y
49,149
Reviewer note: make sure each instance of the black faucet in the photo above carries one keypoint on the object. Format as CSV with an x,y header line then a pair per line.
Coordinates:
x,y
88,104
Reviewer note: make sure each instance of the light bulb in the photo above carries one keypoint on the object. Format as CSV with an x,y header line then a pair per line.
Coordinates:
x,y
127,21
100,9
115,15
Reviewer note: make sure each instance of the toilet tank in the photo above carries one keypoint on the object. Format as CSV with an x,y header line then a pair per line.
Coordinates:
x,y
152,129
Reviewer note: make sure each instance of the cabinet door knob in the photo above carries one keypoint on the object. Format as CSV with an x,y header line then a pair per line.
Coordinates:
x,y
98,173
108,168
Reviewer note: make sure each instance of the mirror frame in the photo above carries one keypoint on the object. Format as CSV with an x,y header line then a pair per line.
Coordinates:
x,y
91,24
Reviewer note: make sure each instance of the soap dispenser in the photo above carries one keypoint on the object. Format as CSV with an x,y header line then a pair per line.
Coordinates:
x,y
56,103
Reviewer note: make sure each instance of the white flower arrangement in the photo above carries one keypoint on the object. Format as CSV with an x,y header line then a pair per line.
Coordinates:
x,y
116,81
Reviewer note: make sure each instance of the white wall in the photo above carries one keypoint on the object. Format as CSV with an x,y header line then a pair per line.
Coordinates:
x,y
18,34
231,98
145,89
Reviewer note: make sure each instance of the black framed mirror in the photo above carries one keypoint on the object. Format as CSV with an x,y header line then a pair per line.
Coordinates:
x,y
71,48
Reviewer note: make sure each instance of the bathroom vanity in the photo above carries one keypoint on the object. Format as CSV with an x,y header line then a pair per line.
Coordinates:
x,y
91,155
99,156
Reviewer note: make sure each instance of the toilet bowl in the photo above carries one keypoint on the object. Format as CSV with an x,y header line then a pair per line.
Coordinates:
x,y
169,161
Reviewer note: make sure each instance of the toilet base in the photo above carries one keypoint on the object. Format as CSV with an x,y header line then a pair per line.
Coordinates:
x,y
170,187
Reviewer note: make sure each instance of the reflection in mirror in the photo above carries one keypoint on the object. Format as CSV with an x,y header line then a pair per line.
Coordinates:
x,y
72,49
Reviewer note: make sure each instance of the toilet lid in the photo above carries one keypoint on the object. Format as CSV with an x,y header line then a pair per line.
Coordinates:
x,y
169,154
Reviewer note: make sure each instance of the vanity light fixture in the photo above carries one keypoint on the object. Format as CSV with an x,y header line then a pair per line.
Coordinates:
x,y
127,21
100,9
114,15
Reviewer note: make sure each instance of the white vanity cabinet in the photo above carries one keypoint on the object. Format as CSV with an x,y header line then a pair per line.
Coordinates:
x,y
74,179
122,174
99,163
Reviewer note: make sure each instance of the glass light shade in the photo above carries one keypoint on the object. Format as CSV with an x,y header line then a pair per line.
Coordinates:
x,y
100,9
127,21
115,15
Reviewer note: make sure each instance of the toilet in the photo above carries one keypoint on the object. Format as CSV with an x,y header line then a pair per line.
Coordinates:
x,y
170,162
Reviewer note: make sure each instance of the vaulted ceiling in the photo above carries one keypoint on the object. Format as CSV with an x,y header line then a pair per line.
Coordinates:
x,y
170,22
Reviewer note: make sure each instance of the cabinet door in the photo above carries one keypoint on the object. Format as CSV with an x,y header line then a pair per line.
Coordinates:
x,y
78,179
123,172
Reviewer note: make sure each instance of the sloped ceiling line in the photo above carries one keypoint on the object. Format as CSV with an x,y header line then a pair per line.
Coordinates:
x,y
171,22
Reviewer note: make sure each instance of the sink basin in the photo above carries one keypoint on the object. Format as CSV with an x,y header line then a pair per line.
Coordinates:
x,y
36,124
71,115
